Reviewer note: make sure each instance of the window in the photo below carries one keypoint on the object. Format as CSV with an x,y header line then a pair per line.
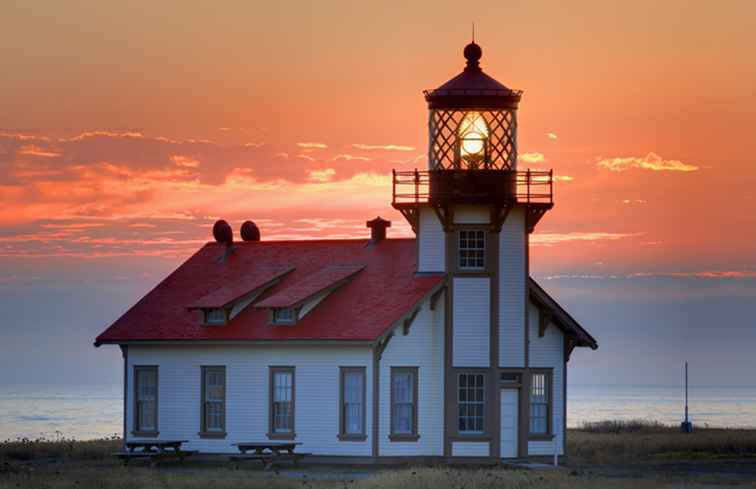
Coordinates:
x,y
286,315
281,402
473,136
145,401
213,402
404,403
352,395
470,402
472,249
540,419
215,316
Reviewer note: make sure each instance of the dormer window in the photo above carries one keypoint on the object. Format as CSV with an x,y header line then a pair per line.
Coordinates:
x,y
284,315
215,316
472,249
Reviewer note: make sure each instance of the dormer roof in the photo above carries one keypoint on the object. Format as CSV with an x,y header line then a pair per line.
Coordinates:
x,y
327,278
229,293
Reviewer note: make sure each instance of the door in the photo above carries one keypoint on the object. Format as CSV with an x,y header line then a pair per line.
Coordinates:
x,y
509,403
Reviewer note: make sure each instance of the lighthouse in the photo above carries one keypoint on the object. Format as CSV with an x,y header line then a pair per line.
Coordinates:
x,y
472,211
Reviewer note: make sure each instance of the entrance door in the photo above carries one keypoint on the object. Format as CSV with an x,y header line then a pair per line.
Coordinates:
x,y
509,403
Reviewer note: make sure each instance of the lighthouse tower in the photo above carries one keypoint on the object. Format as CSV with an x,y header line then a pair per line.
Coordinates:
x,y
472,211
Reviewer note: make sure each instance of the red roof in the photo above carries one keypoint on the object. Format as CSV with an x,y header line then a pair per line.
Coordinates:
x,y
362,309
232,291
311,285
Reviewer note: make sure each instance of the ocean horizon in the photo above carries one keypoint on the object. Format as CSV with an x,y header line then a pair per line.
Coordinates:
x,y
96,411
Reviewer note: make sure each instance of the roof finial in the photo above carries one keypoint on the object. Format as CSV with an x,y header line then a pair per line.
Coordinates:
x,y
473,32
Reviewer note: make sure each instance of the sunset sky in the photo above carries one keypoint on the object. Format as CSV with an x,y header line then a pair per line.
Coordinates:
x,y
128,128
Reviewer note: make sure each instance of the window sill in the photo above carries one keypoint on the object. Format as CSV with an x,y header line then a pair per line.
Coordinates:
x,y
404,438
541,437
145,434
352,437
471,437
212,434
281,436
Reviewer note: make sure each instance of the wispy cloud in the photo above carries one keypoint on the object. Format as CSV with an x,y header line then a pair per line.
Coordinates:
x,y
710,274
386,147
550,239
532,157
312,145
634,202
349,157
552,136
651,161
324,175
563,178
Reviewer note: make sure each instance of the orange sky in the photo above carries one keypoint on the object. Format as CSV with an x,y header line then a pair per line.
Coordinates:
x,y
127,129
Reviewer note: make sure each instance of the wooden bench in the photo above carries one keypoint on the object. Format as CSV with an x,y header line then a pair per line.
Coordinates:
x,y
154,451
268,453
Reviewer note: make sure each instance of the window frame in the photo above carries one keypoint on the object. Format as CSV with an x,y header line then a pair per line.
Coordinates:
x,y
204,432
343,435
484,250
484,425
548,375
272,434
413,435
276,310
138,430
215,322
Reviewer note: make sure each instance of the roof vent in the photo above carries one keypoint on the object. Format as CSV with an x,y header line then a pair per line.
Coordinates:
x,y
222,233
378,229
250,231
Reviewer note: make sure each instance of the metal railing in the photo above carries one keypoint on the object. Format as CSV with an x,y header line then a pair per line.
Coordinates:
x,y
523,186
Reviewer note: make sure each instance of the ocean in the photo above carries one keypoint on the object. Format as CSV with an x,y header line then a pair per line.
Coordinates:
x,y
85,412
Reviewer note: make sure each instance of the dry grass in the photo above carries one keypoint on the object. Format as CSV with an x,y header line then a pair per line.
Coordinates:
x,y
639,441
24,449
114,477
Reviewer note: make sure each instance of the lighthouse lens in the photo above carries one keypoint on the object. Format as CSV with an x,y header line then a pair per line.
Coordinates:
x,y
473,133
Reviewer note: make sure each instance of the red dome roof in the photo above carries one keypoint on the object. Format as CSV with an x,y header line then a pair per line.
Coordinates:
x,y
472,88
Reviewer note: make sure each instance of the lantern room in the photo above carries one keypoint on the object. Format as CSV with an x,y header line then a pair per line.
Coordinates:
x,y
472,120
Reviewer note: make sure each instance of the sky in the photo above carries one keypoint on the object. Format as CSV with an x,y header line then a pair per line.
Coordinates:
x,y
128,128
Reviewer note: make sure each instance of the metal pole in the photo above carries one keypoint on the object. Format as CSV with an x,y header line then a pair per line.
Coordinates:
x,y
686,426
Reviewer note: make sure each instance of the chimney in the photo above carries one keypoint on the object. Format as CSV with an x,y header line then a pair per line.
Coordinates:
x,y
378,229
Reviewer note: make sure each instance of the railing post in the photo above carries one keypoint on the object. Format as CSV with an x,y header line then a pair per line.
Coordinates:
x,y
393,185
417,186
527,184
551,186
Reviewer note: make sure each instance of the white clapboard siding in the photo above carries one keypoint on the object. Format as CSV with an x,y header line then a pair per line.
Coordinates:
x,y
247,385
512,290
548,352
472,214
423,347
471,326
471,449
431,242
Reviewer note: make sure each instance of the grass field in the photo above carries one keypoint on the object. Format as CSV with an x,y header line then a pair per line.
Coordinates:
x,y
596,451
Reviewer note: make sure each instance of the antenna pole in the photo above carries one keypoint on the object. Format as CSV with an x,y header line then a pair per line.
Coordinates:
x,y
686,392
473,32
686,426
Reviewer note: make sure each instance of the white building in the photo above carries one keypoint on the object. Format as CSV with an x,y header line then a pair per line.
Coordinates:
x,y
436,347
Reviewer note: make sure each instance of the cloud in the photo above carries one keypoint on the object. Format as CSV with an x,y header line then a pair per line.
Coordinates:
x,y
550,239
324,175
532,157
552,136
563,178
651,161
634,201
386,147
349,157
711,274
312,145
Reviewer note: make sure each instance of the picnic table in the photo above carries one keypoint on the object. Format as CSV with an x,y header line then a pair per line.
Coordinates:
x,y
154,450
268,452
